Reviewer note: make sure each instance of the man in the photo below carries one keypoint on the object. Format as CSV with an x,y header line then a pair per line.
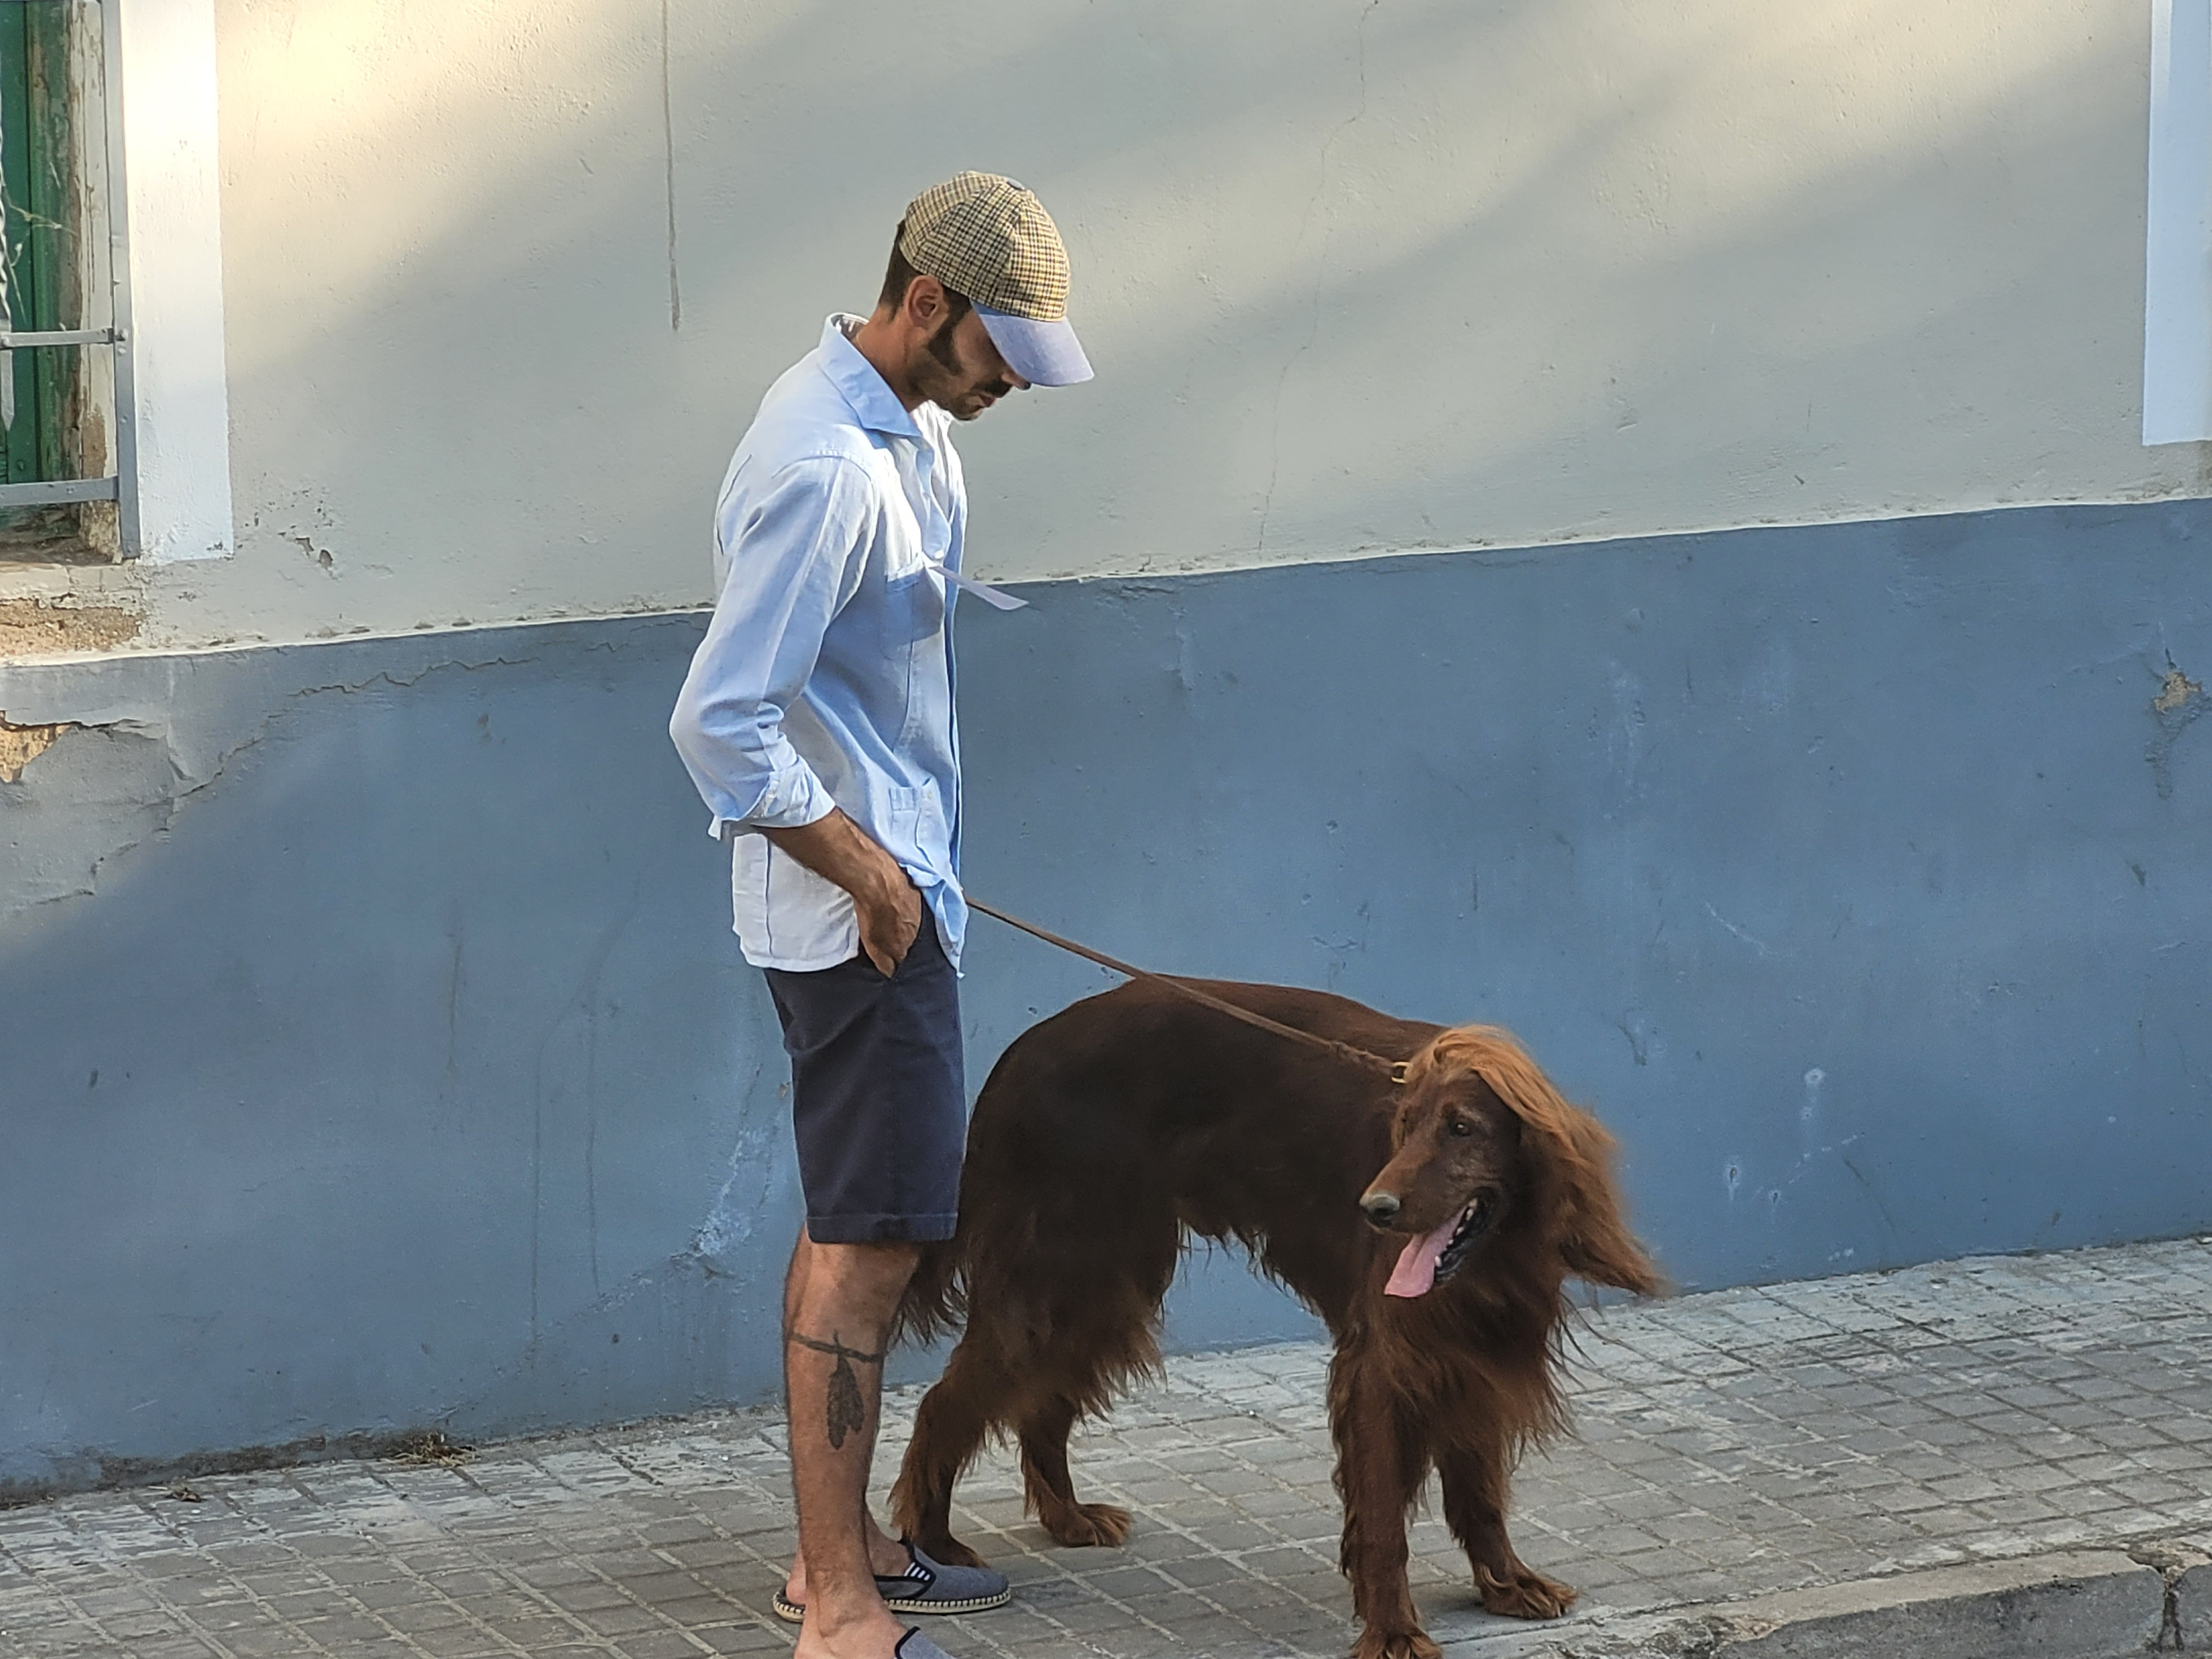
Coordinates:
x,y
817,723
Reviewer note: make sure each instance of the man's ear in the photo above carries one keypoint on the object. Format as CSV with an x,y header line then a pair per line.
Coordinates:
x,y
926,305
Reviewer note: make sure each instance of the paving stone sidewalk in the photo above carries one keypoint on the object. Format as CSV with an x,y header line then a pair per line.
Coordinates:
x,y
1731,1445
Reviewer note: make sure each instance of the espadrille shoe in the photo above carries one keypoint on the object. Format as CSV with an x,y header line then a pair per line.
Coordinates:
x,y
925,1586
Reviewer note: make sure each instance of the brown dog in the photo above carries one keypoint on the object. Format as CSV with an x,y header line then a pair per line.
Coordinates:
x,y
1433,1225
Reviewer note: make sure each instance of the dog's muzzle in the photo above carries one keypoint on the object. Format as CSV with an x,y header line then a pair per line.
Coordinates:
x,y
1474,1223
1428,1258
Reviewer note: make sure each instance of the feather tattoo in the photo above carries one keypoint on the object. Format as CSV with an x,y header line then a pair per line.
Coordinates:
x,y
847,1411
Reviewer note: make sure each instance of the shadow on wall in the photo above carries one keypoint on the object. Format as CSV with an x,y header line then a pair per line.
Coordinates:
x,y
1358,277
384,1057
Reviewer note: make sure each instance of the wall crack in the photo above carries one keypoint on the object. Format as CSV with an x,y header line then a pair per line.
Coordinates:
x,y
668,142
1320,280
158,805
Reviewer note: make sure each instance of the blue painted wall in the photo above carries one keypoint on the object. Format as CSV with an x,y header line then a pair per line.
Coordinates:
x,y
377,1055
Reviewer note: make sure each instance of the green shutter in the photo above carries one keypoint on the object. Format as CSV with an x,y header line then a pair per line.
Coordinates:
x,y
36,241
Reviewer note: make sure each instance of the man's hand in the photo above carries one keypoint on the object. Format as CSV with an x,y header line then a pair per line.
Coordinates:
x,y
885,901
889,920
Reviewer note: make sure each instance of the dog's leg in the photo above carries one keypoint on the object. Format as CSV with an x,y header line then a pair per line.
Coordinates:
x,y
1051,1494
1474,1481
1380,1466
965,1404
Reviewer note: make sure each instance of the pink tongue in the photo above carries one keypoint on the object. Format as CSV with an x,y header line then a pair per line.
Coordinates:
x,y
1415,1272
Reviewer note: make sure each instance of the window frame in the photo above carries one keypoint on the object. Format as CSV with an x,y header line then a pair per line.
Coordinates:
x,y
2177,249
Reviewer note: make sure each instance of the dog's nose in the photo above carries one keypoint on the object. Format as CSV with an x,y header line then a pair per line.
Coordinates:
x,y
1381,1207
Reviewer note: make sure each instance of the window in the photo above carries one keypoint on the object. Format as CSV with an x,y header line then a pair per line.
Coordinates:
x,y
60,483
2178,294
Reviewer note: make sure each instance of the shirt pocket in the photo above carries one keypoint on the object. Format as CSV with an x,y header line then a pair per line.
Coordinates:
x,y
914,607
904,557
896,810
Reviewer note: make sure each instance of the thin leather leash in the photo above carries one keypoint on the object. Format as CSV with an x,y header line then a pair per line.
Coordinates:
x,y
1393,1069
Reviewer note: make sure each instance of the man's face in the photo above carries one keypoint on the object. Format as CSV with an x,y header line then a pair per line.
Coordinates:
x,y
960,371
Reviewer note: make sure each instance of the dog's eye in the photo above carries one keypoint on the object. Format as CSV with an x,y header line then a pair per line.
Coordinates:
x,y
1459,1125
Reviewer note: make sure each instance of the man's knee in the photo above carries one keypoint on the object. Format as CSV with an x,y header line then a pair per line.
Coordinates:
x,y
859,1273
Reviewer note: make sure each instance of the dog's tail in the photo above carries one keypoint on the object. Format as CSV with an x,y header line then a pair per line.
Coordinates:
x,y
936,1300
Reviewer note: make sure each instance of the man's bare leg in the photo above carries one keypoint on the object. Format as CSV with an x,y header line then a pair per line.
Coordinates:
x,y
885,1554
838,1304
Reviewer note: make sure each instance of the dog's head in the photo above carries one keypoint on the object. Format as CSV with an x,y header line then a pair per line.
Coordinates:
x,y
1483,1143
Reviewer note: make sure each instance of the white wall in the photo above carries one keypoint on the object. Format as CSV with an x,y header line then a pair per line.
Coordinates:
x,y
1359,275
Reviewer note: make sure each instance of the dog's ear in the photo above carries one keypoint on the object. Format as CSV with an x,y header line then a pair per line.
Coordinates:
x,y
1595,1241
1586,1223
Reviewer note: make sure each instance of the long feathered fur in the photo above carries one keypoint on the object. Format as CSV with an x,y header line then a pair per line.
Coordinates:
x,y
1109,1135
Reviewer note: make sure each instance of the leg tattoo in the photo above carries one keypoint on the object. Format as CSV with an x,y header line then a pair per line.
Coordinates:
x,y
847,1413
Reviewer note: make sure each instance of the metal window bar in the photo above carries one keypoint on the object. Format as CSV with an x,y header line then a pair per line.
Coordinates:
x,y
60,492
48,492
24,339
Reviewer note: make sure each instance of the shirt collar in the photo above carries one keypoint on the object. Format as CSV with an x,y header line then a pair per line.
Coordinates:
x,y
863,388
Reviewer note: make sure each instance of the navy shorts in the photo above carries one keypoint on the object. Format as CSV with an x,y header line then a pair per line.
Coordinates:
x,y
878,1094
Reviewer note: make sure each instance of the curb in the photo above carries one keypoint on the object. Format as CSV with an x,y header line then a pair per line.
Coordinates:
x,y
2088,1604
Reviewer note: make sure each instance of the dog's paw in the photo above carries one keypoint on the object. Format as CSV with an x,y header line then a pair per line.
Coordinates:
x,y
1081,1525
949,1550
1522,1594
1395,1644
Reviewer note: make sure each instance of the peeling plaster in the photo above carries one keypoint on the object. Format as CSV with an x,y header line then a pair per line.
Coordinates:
x,y
2179,703
22,744
42,628
126,790
2179,689
117,787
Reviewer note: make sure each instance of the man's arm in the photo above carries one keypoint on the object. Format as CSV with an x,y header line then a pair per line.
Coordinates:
x,y
884,898
793,558
793,562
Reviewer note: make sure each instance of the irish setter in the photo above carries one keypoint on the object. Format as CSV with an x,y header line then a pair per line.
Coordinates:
x,y
1432,1225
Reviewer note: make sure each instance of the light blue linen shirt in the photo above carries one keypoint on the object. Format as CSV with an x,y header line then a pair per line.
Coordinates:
x,y
826,675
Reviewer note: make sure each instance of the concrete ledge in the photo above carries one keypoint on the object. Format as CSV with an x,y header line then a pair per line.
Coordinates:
x,y
2192,1608
2076,1605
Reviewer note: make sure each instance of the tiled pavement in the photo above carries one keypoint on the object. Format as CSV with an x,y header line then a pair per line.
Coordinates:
x,y
1729,1445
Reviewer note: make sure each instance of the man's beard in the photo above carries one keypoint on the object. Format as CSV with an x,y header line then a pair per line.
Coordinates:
x,y
939,346
952,395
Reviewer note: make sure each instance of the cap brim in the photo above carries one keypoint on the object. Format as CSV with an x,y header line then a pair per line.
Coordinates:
x,y
1044,353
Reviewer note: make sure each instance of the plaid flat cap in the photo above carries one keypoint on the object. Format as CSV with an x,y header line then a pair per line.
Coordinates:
x,y
986,237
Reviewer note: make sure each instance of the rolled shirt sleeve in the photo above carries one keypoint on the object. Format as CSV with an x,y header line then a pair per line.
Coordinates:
x,y
793,556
